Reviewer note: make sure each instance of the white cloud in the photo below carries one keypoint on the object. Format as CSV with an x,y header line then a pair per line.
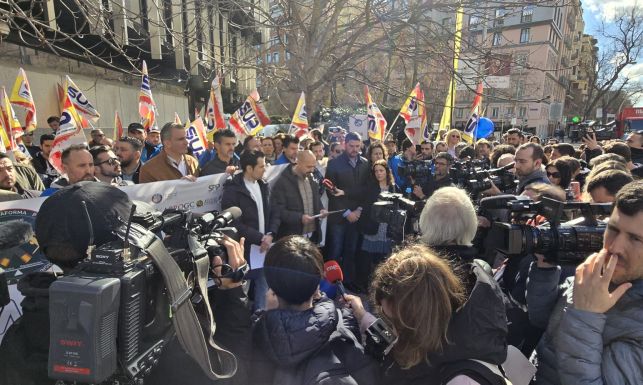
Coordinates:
x,y
607,9
634,72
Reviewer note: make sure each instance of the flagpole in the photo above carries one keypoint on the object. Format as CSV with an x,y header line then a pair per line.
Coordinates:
x,y
392,125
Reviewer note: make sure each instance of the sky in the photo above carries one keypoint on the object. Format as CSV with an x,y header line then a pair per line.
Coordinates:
x,y
596,10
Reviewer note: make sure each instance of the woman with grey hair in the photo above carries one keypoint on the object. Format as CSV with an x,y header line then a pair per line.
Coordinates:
x,y
448,224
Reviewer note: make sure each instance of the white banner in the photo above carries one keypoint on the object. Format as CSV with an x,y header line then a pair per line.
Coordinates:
x,y
359,124
201,196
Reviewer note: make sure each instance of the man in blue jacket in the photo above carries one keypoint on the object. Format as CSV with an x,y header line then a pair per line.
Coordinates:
x,y
594,334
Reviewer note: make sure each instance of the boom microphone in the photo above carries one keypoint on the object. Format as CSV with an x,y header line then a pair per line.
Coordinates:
x,y
334,274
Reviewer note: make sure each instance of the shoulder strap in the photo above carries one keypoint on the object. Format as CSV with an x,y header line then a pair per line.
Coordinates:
x,y
479,371
185,321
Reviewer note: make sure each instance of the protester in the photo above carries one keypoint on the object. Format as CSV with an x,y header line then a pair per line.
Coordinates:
x,y
290,148
317,136
278,141
376,151
391,148
54,123
604,186
500,150
442,320
128,151
635,141
426,150
41,162
593,320
349,173
514,137
268,149
452,139
27,139
303,338
440,146
441,178
336,149
225,159
173,162
562,149
98,138
298,199
15,183
322,162
77,165
528,164
257,225
251,143
483,150
107,166
151,147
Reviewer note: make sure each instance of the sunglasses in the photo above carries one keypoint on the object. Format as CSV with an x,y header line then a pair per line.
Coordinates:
x,y
553,174
455,136
110,161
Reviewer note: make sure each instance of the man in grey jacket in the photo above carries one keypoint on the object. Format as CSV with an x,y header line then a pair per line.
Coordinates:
x,y
595,332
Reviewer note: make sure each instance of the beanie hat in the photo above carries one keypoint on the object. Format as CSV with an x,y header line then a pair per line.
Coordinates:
x,y
294,286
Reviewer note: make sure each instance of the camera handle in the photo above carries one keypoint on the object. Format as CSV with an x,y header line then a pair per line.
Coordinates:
x,y
186,324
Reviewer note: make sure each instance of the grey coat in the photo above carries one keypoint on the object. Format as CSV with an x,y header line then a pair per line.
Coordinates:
x,y
581,347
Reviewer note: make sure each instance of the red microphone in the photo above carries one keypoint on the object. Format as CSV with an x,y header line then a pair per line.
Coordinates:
x,y
334,275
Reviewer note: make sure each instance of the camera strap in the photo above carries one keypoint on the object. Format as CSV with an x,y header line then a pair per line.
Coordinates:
x,y
186,323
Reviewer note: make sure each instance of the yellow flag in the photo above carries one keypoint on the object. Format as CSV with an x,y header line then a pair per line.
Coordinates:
x,y
445,122
21,96
11,127
299,124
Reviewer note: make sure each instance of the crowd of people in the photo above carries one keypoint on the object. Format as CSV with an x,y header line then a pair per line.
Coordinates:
x,y
458,315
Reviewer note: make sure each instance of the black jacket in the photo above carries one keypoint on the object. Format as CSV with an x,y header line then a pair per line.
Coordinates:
x,y
366,223
236,194
352,180
288,204
477,330
316,346
637,155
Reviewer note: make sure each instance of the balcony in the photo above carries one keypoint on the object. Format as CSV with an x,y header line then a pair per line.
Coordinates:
x,y
564,61
562,79
568,42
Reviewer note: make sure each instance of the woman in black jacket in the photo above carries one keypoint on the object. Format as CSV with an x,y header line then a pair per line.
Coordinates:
x,y
376,246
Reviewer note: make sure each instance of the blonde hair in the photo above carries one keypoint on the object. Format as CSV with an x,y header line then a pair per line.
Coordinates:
x,y
453,131
448,218
421,292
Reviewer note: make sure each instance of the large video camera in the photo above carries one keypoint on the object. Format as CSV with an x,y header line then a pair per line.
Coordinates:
x,y
418,171
111,317
395,210
560,242
475,177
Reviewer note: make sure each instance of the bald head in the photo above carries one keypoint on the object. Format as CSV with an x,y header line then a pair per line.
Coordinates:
x,y
306,162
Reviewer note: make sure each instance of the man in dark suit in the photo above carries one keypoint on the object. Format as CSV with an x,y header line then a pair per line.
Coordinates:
x,y
350,174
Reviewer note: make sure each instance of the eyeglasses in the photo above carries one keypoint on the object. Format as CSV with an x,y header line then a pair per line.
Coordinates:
x,y
455,136
110,161
553,174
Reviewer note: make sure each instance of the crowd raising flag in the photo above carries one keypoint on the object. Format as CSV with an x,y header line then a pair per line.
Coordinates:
x,y
417,129
10,124
250,118
21,96
299,125
69,133
375,118
214,113
445,122
118,126
146,105
469,133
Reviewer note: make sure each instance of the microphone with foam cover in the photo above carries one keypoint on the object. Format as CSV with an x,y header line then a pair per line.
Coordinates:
x,y
226,217
334,274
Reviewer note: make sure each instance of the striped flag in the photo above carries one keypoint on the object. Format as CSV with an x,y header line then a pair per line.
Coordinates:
x,y
69,133
81,104
214,112
299,124
417,129
410,105
376,120
195,134
21,96
146,105
250,118
469,134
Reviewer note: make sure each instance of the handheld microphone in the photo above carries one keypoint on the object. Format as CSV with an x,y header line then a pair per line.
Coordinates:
x,y
334,274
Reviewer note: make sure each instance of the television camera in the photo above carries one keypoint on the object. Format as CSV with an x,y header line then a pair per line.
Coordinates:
x,y
112,315
396,210
475,177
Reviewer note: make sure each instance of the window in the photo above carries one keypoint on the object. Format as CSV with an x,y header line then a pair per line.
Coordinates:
x,y
268,58
521,60
287,55
275,57
494,112
510,112
522,112
527,13
500,16
474,20
524,35
497,38
446,21
520,88
458,112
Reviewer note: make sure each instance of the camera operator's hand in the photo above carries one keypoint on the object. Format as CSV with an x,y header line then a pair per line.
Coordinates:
x,y
493,191
235,260
417,191
355,303
591,284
